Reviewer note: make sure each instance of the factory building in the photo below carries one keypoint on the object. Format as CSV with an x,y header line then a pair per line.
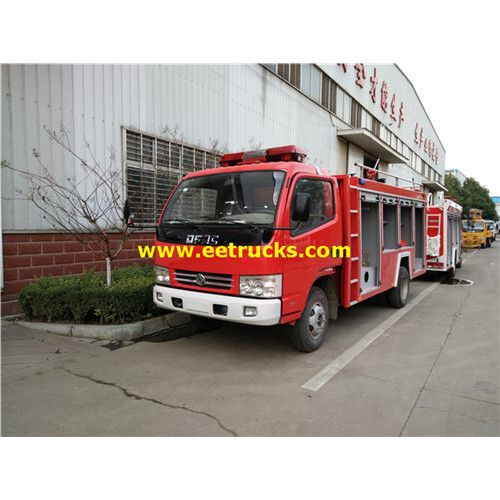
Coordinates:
x,y
155,123
461,177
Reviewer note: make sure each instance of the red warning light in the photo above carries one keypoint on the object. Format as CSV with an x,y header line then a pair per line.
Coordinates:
x,y
283,153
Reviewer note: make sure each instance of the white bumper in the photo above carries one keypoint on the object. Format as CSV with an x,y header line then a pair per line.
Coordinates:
x,y
202,304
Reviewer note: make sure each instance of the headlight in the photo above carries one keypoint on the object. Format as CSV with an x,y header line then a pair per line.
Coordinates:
x,y
267,287
162,275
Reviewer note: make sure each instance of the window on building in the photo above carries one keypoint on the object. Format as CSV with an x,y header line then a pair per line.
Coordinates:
x,y
305,84
356,114
328,93
290,72
367,120
343,105
421,165
310,82
154,166
270,66
315,83
295,75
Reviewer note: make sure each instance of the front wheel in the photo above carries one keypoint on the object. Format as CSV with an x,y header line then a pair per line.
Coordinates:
x,y
398,296
309,331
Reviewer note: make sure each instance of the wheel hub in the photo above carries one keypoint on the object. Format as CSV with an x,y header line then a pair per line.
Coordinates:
x,y
405,287
317,320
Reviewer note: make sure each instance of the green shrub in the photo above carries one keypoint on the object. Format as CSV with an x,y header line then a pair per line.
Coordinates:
x,y
87,299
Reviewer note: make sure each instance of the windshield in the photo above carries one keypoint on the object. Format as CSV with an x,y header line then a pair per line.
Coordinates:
x,y
239,197
473,226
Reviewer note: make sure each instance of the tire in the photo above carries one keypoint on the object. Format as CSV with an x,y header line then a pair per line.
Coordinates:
x,y
398,296
309,331
451,272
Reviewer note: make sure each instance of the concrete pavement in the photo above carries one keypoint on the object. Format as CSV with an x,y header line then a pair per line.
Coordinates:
x,y
434,372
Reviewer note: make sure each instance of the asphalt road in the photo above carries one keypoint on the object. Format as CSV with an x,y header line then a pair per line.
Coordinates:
x,y
430,369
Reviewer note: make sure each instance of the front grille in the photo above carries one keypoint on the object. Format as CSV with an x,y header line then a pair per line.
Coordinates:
x,y
211,280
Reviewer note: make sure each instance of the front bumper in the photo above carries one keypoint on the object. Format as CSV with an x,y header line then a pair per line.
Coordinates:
x,y
224,307
472,241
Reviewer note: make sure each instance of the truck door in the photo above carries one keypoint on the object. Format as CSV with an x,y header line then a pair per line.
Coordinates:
x,y
312,240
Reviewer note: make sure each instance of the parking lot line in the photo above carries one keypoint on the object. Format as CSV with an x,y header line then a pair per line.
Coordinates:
x,y
329,371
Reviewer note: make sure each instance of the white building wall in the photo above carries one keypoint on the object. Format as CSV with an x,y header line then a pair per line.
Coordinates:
x,y
241,106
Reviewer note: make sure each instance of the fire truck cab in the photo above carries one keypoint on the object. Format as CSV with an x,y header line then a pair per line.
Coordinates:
x,y
277,241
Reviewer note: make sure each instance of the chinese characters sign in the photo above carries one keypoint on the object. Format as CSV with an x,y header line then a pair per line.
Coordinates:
x,y
380,92
429,146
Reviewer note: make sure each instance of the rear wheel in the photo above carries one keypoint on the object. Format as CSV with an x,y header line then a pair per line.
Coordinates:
x,y
451,272
309,331
398,296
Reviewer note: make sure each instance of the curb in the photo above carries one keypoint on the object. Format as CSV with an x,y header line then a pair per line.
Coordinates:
x,y
173,325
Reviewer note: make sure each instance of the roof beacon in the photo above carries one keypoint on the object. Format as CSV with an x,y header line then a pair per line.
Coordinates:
x,y
284,153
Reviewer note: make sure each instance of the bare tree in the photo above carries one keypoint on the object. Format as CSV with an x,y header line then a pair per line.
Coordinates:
x,y
87,207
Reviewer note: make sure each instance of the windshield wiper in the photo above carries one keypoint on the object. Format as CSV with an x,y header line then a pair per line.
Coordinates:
x,y
184,222
238,222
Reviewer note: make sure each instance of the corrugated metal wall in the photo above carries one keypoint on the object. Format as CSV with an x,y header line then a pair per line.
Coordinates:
x,y
241,106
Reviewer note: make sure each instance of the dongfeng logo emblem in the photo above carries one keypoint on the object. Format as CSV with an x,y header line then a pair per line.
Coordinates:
x,y
200,279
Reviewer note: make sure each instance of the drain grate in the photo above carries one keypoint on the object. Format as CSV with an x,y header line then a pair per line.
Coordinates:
x,y
455,281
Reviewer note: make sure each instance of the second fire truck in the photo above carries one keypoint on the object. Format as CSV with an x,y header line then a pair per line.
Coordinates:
x,y
444,236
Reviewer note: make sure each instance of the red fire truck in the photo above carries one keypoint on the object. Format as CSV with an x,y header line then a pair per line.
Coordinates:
x,y
267,239
444,236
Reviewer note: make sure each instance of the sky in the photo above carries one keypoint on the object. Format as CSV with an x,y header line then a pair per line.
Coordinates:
x,y
463,104
447,50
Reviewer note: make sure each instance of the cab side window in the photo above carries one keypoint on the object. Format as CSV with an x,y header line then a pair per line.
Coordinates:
x,y
322,204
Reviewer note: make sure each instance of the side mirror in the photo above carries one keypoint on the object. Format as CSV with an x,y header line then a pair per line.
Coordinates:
x,y
301,207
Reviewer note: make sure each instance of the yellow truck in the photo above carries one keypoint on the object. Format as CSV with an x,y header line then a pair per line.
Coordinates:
x,y
475,230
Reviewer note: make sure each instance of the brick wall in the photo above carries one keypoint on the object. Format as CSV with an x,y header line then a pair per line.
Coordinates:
x,y
28,256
